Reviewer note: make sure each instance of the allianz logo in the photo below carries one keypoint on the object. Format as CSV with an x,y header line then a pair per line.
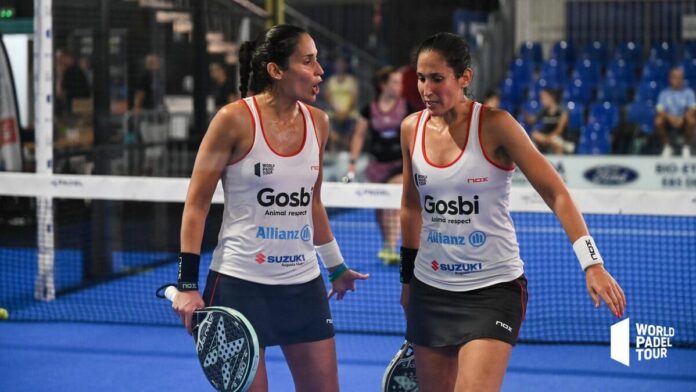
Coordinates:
x,y
276,233
476,238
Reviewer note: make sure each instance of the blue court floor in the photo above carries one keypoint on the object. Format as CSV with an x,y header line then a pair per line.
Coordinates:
x,y
112,357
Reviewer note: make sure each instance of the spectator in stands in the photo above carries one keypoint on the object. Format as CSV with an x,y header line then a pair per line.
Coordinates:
x,y
379,121
224,90
676,114
551,123
72,82
149,93
342,97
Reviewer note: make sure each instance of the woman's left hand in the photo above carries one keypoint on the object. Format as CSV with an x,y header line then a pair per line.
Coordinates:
x,y
600,284
345,283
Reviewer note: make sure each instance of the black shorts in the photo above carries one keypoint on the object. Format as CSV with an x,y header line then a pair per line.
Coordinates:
x,y
439,318
280,314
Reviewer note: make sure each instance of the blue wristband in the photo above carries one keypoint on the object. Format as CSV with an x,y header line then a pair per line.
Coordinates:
x,y
338,272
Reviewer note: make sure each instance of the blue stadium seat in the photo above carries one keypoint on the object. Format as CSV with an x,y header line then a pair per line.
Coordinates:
x,y
588,70
531,51
554,72
595,139
620,70
508,106
511,91
647,92
630,51
564,52
578,90
522,70
529,108
689,50
597,52
576,115
664,51
604,113
689,66
656,70
612,90
642,114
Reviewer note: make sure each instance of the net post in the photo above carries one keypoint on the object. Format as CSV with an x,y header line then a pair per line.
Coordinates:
x,y
44,288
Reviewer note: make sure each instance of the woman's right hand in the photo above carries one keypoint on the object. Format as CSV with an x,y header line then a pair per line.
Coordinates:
x,y
405,289
184,304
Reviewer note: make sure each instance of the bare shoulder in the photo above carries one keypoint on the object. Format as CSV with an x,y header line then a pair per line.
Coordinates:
x,y
499,125
408,124
321,120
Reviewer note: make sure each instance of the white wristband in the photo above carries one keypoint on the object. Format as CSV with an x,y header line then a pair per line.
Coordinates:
x,y
330,254
587,252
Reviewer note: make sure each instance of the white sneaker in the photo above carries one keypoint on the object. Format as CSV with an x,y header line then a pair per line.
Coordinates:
x,y
667,151
686,152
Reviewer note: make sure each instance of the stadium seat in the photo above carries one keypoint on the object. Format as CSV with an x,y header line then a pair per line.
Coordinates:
x,y
576,115
521,71
630,51
597,52
620,70
612,90
643,115
656,70
604,113
648,91
578,90
564,52
511,91
588,70
595,139
531,51
664,51
554,72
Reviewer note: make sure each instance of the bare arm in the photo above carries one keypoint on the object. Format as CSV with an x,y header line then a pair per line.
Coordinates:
x,y
512,144
410,213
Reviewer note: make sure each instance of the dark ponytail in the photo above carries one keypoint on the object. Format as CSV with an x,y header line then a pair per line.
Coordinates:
x,y
274,46
246,51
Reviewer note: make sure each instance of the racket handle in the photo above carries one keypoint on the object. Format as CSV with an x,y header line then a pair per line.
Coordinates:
x,y
170,293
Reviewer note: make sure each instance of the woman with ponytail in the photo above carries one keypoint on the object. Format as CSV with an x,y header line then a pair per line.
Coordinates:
x,y
267,149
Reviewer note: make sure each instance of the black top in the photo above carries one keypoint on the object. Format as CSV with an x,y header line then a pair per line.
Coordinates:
x,y
384,129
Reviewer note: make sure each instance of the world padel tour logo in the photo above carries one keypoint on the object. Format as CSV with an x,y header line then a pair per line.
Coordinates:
x,y
652,341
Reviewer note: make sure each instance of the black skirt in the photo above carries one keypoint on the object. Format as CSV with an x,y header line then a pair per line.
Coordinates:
x,y
439,318
280,314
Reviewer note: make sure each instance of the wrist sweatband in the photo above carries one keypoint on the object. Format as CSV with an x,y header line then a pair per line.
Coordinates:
x,y
587,252
330,254
408,259
338,272
187,279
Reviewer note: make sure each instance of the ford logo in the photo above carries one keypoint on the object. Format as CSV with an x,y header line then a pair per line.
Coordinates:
x,y
611,175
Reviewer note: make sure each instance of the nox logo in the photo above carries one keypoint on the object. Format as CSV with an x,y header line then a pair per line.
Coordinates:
x,y
435,266
591,249
420,179
477,180
502,324
263,169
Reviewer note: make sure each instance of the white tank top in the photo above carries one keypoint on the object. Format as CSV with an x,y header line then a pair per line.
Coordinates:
x,y
266,234
468,239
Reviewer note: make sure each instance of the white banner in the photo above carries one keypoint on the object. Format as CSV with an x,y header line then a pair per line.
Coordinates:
x,y
619,172
10,148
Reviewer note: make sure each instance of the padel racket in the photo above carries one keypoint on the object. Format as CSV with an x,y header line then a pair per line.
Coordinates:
x,y
226,344
400,375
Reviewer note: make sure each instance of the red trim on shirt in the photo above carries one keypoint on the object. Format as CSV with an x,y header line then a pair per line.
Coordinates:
x,y
253,133
466,142
483,150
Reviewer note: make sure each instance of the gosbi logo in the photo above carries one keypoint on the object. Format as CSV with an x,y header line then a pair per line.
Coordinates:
x,y
460,206
267,198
